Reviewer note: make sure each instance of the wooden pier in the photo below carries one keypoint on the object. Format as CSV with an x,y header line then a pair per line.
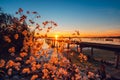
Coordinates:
x,y
92,45
109,47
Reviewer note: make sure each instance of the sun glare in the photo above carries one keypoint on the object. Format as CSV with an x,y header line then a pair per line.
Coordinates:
x,y
56,36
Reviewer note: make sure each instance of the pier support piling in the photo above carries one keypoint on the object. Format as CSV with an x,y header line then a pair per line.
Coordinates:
x,y
91,52
80,49
77,47
117,59
68,46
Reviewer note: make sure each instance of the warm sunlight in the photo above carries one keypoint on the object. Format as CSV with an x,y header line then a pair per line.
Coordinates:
x,y
79,40
56,36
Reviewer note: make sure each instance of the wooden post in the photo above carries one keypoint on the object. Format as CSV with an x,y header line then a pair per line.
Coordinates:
x,y
54,43
80,49
117,60
91,52
68,46
77,47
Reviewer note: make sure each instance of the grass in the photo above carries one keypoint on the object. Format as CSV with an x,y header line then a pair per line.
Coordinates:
x,y
93,64
101,54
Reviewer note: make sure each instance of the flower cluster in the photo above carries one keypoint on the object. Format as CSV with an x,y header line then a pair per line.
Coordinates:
x,y
33,62
82,57
2,63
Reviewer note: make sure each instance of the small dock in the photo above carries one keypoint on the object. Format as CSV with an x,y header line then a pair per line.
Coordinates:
x,y
92,45
81,44
110,47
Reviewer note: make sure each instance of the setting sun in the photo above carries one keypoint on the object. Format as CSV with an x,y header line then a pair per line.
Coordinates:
x,y
42,40
56,36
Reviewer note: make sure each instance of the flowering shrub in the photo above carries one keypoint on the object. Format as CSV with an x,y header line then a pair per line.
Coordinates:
x,y
30,61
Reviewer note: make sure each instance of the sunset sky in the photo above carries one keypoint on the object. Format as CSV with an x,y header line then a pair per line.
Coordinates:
x,y
90,17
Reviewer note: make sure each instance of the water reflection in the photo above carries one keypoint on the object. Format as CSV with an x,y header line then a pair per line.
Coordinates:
x,y
45,45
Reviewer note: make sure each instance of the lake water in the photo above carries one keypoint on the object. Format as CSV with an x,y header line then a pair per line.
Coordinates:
x,y
115,41
98,53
